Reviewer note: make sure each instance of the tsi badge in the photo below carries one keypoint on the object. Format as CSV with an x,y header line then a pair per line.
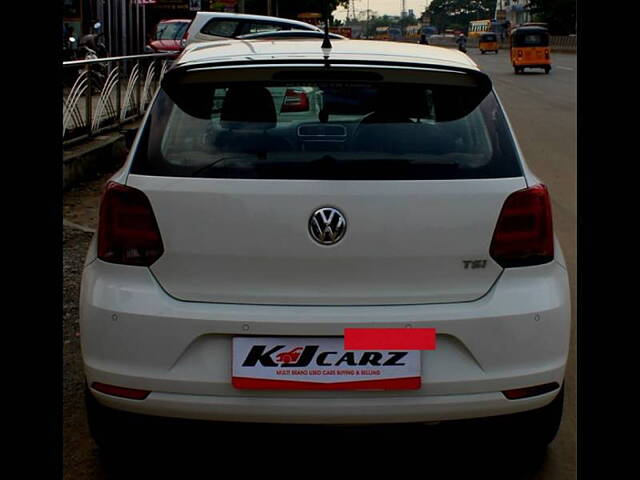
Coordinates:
x,y
327,225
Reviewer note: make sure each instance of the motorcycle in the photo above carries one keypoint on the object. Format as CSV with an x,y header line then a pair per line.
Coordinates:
x,y
92,47
462,44
69,49
69,54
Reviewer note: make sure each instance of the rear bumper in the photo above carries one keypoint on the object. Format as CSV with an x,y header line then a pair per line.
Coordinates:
x,y
135,335
532,64
414,409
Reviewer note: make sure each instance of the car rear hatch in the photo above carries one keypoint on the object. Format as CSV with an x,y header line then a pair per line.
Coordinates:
x,y
416,231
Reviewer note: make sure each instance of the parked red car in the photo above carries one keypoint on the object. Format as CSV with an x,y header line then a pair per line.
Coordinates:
x,y
168,36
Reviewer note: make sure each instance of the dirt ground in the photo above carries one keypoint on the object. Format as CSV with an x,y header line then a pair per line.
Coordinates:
x,y
80,456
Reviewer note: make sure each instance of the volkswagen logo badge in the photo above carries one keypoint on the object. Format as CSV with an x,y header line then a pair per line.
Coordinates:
x,y
327,225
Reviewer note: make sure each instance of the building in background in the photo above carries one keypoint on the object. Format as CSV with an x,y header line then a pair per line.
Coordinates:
x,y
363,15
513,12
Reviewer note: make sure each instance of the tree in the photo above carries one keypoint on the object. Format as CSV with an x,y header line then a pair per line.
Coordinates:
x,y
458,13
291,8
408,20
559,14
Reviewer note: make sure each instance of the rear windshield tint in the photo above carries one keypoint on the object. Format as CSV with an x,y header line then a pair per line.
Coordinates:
x,y
336,130
531,39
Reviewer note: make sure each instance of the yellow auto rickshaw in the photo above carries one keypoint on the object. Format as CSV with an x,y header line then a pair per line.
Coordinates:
x,y
530,48
488,42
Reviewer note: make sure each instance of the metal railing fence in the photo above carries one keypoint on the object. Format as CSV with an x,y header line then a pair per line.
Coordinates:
x,y
556,42
102,94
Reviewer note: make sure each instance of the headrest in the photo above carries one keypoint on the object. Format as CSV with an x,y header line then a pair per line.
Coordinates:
x,y
399,104
248,108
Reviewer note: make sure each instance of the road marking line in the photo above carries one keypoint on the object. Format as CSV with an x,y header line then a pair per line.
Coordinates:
x,y
564,68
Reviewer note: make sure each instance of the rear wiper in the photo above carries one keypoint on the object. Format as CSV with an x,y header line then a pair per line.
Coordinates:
x,y
216,162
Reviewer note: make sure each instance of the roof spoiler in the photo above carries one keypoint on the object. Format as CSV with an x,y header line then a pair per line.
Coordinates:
x,y
188,84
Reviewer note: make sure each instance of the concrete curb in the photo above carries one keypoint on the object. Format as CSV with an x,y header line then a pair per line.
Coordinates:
x,y
103,153
68,223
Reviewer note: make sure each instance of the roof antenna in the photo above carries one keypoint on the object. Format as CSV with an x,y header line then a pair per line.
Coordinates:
x,y
326,43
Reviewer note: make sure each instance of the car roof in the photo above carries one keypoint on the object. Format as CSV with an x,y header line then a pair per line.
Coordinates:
x,y
243,16
175,20
373,51
283,34
531,29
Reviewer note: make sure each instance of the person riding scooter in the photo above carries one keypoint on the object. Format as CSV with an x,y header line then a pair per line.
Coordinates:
x,y
94,41
91,46
462,43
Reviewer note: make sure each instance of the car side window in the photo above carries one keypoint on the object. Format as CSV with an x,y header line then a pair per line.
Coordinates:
x,y
220,28
258,27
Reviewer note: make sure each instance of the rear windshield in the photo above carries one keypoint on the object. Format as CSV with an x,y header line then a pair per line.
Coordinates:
x,y
532,39
220,27
171,31
337,131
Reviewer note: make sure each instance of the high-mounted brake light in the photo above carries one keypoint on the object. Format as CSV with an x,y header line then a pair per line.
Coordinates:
x,y
295,100
524,232
128,233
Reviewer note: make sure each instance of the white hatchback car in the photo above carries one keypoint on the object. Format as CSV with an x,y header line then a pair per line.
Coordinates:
x,y
211,26
245,236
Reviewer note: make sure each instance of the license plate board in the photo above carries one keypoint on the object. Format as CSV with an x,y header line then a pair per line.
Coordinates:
x,y
295,363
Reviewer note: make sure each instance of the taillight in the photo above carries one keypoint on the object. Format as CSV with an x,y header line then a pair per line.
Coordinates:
x,y
519,53
524,233
546,54
295,100
127,232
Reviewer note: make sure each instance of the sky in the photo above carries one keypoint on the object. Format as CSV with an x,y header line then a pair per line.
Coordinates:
x,y
385,7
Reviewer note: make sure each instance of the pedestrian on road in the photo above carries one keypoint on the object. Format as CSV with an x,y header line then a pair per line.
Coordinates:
x,y
423,40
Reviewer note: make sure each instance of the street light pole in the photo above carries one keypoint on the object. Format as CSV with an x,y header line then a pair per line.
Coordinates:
x,y
125,40
368,35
